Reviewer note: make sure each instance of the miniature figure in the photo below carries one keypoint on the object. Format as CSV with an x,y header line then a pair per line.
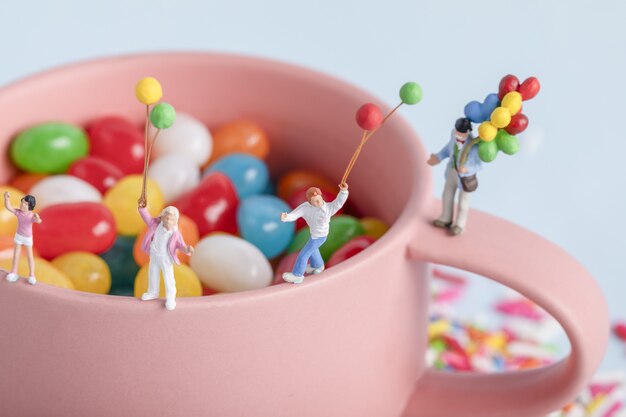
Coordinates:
x,y
161,242
23,235
317,214
463,178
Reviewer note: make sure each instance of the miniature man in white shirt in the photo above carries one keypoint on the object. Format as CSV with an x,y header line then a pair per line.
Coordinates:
x,y
317,213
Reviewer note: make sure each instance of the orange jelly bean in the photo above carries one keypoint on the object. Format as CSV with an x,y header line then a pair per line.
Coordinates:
x,y
25,182
298,179
239,136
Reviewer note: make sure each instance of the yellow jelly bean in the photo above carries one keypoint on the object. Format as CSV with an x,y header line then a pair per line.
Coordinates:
x,y
374,227
8,221
496,341
438,328
87,271
122,198
44,271
187,282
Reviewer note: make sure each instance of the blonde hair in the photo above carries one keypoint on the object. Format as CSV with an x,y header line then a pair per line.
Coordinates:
x,y
171,210
312,192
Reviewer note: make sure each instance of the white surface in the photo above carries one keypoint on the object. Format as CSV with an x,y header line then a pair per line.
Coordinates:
x,y
565,184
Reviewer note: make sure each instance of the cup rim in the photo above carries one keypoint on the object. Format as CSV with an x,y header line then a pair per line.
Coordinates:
x,y
401,229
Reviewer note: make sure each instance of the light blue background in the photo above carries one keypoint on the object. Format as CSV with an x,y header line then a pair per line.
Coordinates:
x,y
566,183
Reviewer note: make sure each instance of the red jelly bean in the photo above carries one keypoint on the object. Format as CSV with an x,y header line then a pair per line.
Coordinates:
x,y
354,246
212,204
118,141
286,265
72,227
620,331
299,197
97,172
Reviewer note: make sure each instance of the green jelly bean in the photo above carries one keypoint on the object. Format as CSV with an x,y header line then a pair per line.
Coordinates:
x,y
122,264
49,148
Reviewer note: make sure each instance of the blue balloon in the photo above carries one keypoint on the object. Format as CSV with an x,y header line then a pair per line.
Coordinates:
x,y
473,111
489,105
248,174
258,220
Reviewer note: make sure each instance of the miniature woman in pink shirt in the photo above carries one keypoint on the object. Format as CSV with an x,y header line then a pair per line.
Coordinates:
x,y
24,235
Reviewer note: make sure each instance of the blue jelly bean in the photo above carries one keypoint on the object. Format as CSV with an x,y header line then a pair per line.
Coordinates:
x,y
258,219
248,174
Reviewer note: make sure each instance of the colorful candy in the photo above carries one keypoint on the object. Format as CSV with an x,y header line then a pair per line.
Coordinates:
x,y
118,141
87,271
349,249
49,147
229,264
299,179
122,265
176,174
62,189
8,221
73,227
24,182
46,272
99,173
188,136
248,174
374,227
240,136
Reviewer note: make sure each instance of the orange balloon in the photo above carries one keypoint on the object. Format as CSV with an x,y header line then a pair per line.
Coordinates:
x,y
25,182
298,179
190,234
239,136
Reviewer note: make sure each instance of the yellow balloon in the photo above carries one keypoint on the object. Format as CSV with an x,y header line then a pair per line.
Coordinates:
x,y
500,117
8,221
512,101
187,282
487,131
87,271
374,227
44,271
122,198
148,91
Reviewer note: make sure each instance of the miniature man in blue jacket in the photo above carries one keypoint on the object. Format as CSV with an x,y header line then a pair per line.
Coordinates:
x,y
458,176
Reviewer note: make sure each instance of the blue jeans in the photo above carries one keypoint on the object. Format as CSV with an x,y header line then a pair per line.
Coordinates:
x,y
310,250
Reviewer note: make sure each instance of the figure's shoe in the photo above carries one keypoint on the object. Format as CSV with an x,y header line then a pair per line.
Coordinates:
x,y
441,224
170,304
11,277
456,230
311,270
146,296
32,280
291,277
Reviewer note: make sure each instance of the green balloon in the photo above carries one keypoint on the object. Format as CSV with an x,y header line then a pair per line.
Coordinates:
x,y
163,115
508,144
487,151
49,148
411,93
342,229
122,264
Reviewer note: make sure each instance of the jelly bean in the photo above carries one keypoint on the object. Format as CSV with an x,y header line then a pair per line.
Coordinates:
x,y
248,174
342,229
61,189
122,198
620,331
187,282
374,227
298,179
73,227
24,182
212,205
49,148
285,265
188,136
45,272
349,249
8,221
229,264
97,172
208,291
240,137
259,223
87,271
176,174
6,247
122,265
187,228
118,141
299,197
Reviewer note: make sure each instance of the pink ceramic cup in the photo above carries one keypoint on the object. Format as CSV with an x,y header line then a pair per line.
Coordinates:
x,y
349,342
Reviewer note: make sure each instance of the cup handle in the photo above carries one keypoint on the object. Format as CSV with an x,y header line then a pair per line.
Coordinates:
x,y
541,271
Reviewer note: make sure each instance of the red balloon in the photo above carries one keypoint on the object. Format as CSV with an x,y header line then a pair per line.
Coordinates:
x,y
97,172
369,116
286,265
212,204
72,227
529,88
508,83
349,249
519,123
299,197
119,142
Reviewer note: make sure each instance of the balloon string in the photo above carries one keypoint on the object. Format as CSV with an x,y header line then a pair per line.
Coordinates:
x,y
366,135
146,156
156,135
465,152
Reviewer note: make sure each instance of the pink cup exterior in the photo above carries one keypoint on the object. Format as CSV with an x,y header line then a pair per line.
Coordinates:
x,y
349,342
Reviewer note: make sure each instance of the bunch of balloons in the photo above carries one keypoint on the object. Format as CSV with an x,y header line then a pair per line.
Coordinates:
x,y
500,116
148,91
369,117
